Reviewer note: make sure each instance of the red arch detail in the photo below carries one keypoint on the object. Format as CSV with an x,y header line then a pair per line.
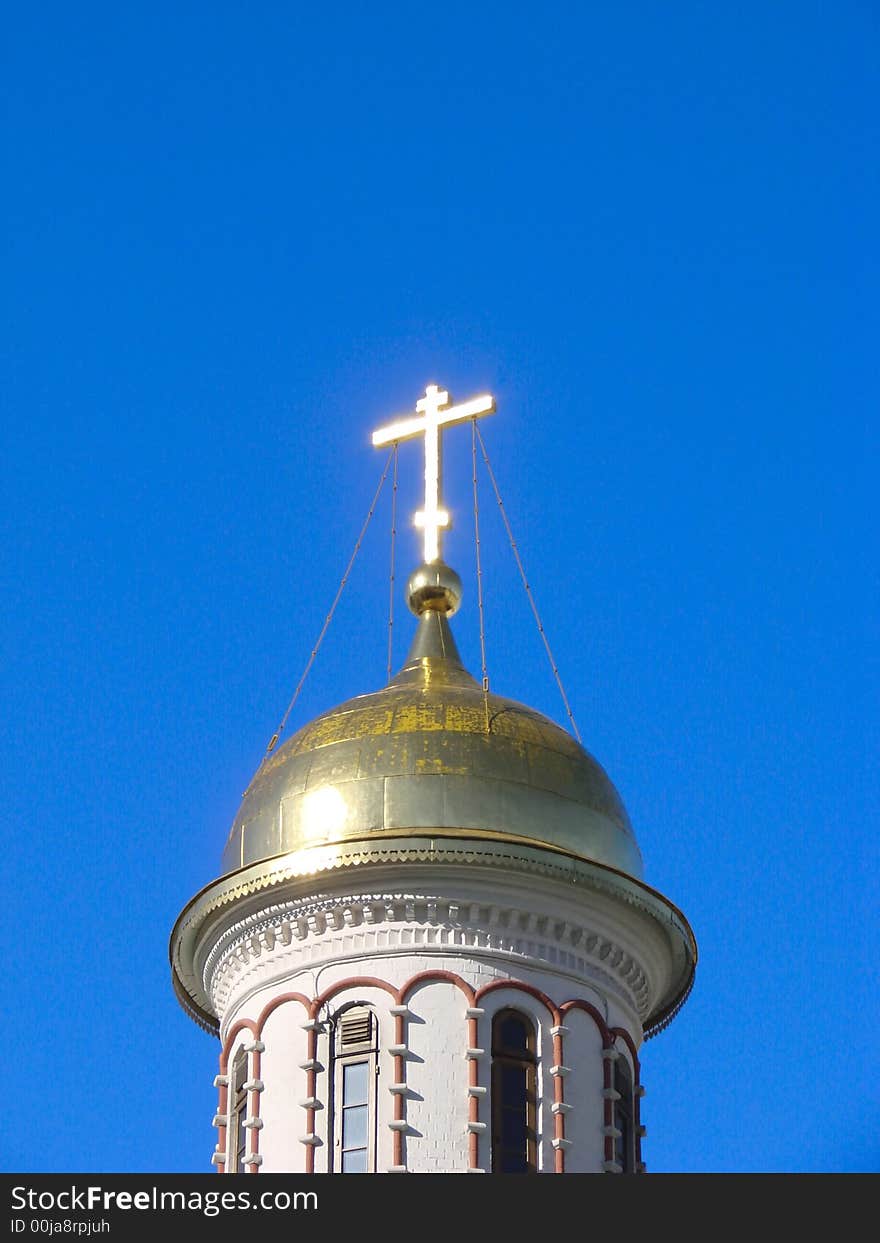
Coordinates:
x,y
448,976
362,981
275,1003
594,1014
631,1045
239,1026
523,988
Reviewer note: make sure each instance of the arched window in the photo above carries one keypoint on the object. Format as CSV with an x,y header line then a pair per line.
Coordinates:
x,y
624,1141
355,1050
514,1147
238,1113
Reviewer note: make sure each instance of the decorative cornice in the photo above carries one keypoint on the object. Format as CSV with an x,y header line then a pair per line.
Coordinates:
x,y
444,925
430,849
303,865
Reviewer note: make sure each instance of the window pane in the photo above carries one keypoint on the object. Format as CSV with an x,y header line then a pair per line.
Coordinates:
x,y
513,1163
354,1127
240,1139
513,1086
355,1162
513,1131
513,1034
513,1115
623,1145
355,1084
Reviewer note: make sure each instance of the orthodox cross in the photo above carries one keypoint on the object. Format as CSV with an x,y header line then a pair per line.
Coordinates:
x,y
434,413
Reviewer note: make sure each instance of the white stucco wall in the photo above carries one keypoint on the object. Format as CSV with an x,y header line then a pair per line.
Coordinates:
x,y
437,1076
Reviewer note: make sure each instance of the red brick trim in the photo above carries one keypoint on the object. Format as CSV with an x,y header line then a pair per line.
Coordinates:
x,y
275,1003
558,1099
352,981
523,988
254,1112
222,1106
241,1025
449,976
594,1014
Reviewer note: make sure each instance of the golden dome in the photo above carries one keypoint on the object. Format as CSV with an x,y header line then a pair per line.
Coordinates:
x,y
431,756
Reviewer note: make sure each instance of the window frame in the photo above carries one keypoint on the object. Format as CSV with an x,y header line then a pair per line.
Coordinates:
x,y
238,1112
364,1051
526,1060
624,1115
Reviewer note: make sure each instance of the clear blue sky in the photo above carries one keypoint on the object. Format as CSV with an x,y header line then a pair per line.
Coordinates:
x,y
236,239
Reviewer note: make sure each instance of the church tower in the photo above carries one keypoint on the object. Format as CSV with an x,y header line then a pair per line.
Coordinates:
x,y
431,948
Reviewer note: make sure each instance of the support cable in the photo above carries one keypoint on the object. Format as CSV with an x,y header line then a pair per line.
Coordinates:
x,y
479,573
391,573
526,585
278,732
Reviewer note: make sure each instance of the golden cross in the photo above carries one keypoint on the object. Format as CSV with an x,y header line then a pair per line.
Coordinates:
x,y
434,413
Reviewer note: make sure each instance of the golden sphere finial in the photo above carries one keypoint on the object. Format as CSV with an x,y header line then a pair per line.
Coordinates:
x,y
436,587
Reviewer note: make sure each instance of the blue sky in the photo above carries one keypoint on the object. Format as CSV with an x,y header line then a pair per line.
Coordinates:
x,y
237,240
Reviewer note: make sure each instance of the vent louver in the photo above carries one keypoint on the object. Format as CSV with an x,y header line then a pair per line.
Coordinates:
x,y
355,1027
